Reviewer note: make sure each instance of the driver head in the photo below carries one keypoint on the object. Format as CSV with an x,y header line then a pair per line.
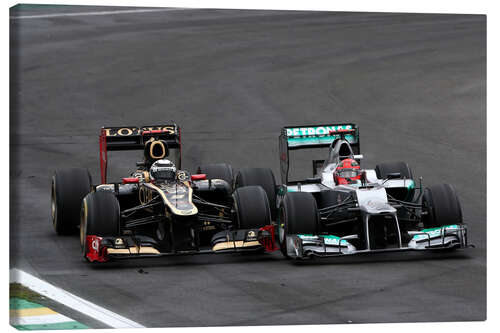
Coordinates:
x,y
163,171
347,172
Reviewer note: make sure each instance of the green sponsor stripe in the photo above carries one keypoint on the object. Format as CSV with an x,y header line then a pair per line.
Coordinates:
x,y
329,239
434,232
70,325
18,303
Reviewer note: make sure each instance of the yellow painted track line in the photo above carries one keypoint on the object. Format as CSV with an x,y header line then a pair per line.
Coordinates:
x,y
31,312
72,301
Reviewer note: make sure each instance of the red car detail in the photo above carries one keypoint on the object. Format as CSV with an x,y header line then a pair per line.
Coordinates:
x,y
268,242
130,180
94,251
200,176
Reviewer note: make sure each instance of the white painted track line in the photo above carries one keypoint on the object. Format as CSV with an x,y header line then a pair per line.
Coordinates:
x,y
72,301
106,12
40,320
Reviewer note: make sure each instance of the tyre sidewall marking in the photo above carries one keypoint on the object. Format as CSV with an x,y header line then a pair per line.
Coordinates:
x,y
83,225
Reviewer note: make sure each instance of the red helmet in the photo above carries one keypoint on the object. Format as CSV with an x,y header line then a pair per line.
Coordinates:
x,y
348,171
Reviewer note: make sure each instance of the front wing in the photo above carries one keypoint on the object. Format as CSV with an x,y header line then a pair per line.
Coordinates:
x,y
443,238
102,249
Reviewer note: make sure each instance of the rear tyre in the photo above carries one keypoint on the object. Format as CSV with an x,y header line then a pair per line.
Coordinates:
x,y
401,193
298,214
263,177
218,171
100,216
441,206
382,170
251,207
69,186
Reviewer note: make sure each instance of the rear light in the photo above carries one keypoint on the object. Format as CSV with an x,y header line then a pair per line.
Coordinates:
x,y
200,176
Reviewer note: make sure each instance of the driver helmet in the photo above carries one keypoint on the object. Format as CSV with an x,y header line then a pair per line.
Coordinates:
x,y
347,172
163,170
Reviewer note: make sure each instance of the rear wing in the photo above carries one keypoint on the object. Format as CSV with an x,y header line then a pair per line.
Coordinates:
x,y
134,138
315,136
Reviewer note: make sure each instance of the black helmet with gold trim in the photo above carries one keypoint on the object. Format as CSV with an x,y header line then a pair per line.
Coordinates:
x,y
163,171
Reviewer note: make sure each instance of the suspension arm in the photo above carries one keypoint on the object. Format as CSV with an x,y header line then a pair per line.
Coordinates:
x,y
214,219
144,220
207,203
136,208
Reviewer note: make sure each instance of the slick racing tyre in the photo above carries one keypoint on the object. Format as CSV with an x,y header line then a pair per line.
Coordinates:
x,y
100,216
382,170
298,214
399,193
69,186
263,177
441,206
251,207
218,171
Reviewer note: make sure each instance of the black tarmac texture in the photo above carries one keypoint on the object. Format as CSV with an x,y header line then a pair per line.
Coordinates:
x,y
415,84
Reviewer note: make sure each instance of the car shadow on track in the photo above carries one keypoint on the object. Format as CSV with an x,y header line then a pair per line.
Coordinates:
x,y
186,260
277,259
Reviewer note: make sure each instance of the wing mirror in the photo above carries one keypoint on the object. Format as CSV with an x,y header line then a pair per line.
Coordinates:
x,y
394,175
313,180
199,176
130,180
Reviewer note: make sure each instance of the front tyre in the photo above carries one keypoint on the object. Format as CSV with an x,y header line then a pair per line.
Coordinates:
x,y
251,207
298,214
68,188
441,206
100,216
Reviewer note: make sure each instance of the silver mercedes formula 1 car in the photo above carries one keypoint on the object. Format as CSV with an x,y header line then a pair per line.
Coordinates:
x,y
345,210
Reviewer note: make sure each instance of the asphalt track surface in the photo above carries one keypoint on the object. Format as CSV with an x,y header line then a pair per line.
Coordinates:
x,y
415,84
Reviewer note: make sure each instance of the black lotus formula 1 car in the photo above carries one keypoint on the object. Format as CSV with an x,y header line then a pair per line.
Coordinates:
x,y
345,210
160,209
